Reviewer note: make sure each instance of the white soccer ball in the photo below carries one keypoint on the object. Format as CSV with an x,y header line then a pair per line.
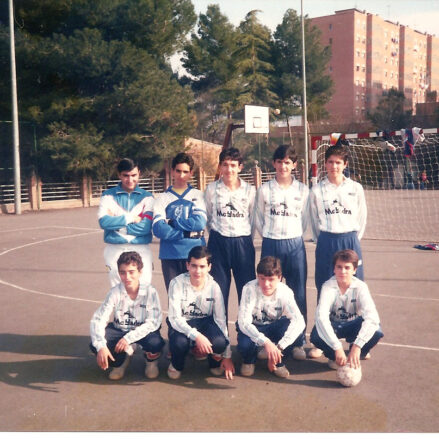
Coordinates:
x,y
348,376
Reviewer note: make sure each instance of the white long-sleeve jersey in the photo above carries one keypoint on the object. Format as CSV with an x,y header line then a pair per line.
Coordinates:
x,y
257,309
338,209
137,317
230,213
336,307
282,213
185,304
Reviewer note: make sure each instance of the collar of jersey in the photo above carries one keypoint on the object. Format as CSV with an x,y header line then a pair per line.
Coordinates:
x,y
119,190
189,187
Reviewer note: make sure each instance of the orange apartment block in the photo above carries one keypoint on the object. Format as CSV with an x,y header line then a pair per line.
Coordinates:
x,y
370,55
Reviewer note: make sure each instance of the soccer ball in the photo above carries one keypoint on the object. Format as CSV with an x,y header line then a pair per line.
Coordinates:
x,y
348,376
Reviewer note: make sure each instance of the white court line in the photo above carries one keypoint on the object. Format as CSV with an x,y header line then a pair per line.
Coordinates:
x,y
47,227
47,240
393,297
57,296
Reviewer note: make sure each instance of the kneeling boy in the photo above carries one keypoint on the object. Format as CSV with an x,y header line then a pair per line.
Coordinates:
x,y
268,317
346,310
137,319
197,317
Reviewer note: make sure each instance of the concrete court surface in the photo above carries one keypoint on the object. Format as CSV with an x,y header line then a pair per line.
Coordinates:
x,y
52,278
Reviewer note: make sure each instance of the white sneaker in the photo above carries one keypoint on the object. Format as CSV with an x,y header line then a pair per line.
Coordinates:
x,y
299,353
173,373
281,372
117,373
247,369
332,364
217,371
315,353
152,369
262,354
365,357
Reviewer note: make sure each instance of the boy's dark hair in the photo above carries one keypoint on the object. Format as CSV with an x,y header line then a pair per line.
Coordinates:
x,y
346,256
200,252
130,258
182,157
339,151
230,154
269,266
126,165
285,151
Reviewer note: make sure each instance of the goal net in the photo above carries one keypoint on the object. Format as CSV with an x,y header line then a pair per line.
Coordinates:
x,y
401,183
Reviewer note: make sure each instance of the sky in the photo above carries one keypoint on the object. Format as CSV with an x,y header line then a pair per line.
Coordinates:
x,y
421,15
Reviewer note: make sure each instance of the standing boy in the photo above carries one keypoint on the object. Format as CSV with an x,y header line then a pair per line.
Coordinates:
x,y
338,215
229,206
346,310
125,214
196,317
281,219
179,219
137,318
269,318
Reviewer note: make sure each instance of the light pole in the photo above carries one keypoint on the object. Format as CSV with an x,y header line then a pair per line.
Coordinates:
x,y
305,114
16,141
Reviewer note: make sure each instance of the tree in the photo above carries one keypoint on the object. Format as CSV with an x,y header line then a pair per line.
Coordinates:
x,y
94,77
288,70
390,113
209,58
253,62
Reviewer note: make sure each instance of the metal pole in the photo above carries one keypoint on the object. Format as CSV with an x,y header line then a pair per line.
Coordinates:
x,y
305,115
17,179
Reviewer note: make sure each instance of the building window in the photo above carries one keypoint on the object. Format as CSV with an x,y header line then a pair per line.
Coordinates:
x,y
330,26
330,40
358,68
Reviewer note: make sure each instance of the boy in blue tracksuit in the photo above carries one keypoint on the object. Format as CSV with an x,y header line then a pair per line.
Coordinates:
x,y
125,215
179,219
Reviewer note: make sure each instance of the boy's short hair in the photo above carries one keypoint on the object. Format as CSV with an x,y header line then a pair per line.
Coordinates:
x,y
269,266
284,151
346,256
230,154
339,151
183,157
127,258
200,252
126,165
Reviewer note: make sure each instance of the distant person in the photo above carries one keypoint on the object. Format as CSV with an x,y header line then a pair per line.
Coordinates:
x,y
268,319
125,214
230,209
423,180
179,219
338,217
135,310
282,216
197,318
346,310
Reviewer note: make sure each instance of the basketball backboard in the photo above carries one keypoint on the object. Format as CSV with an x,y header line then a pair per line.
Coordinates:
x,y
256,119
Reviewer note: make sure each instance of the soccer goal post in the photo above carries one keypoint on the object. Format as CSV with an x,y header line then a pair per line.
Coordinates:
x,y
402,191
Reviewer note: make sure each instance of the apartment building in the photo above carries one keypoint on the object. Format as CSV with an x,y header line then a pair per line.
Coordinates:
x,y
371,55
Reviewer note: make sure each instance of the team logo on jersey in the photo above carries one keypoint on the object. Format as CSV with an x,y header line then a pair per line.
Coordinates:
x,y
195,311
344,315
335,208
128,319
281,210
230,211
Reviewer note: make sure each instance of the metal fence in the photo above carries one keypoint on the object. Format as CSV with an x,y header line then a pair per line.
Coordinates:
x,y
60,191
7,193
